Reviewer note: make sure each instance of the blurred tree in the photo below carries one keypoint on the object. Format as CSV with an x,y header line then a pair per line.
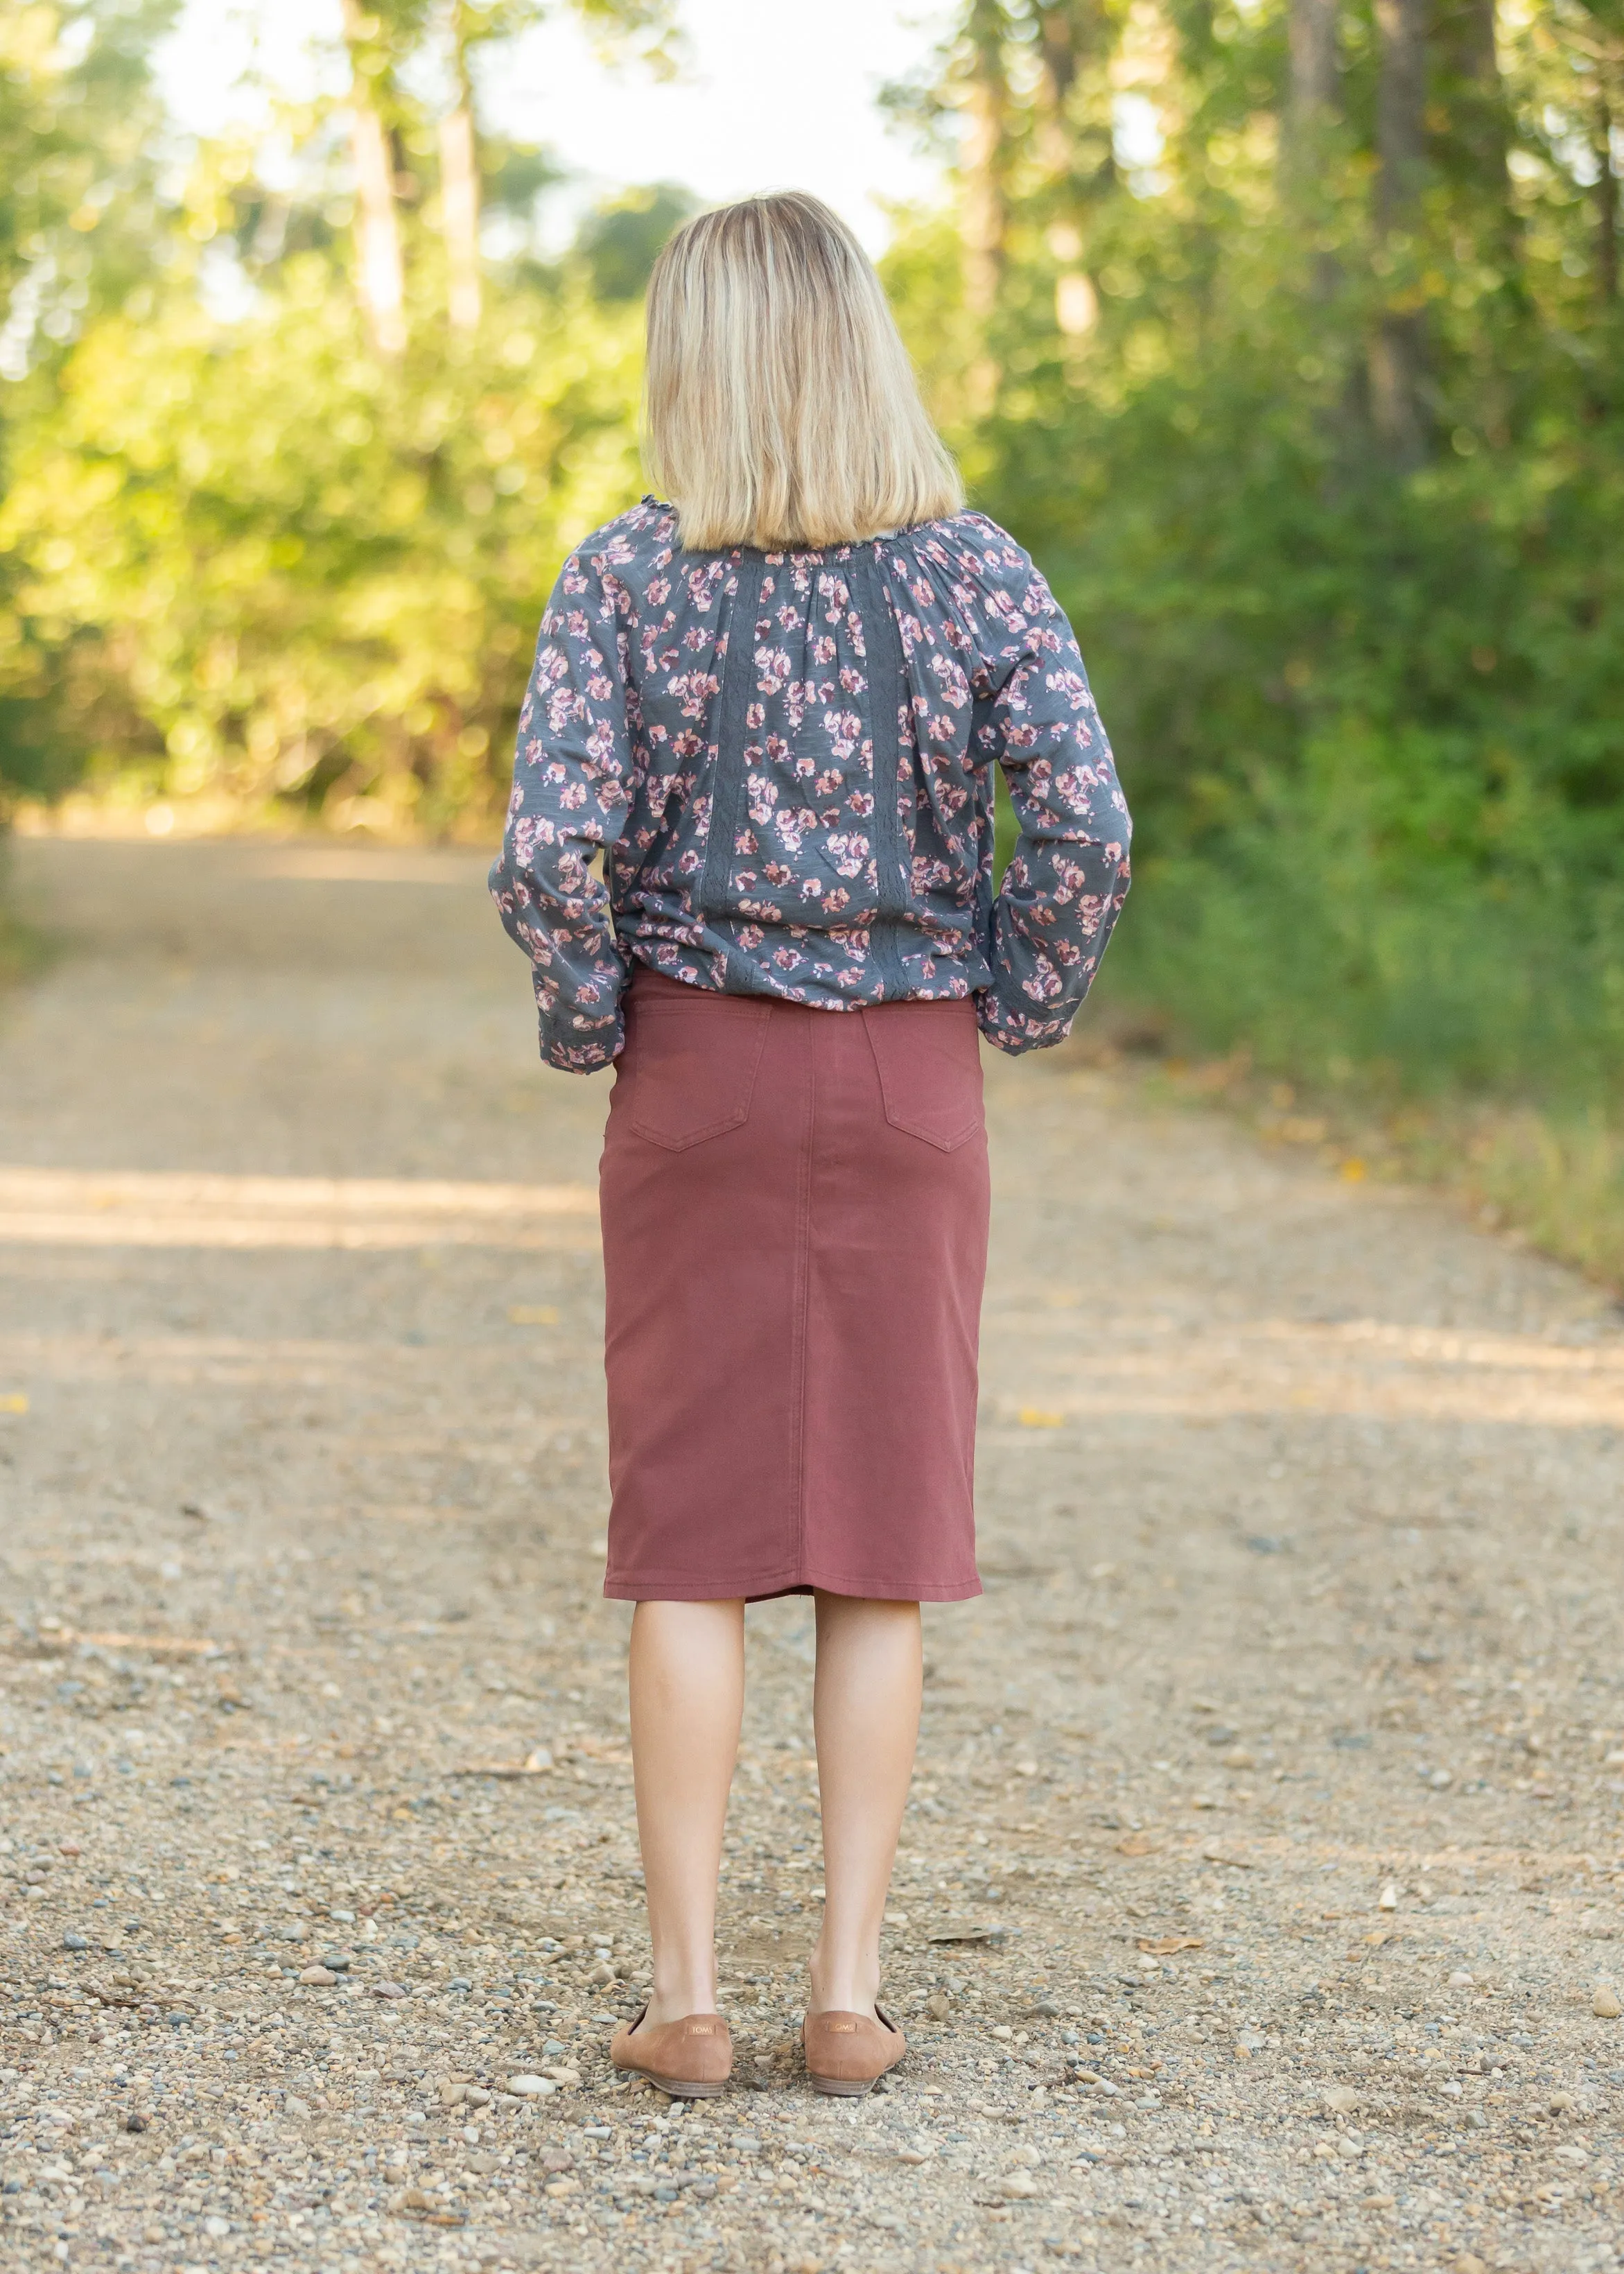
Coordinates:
x,y
264,540
618,242
1325,472
643,26
1399,340
81,144
373,35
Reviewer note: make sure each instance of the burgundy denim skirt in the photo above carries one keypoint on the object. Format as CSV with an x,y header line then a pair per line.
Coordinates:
x,y
794,1220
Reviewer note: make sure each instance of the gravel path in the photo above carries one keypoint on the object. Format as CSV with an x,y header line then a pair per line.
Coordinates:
x,y
1259,1903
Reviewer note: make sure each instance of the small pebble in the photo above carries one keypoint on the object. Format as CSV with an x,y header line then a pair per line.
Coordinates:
x,y
74,1942
939,2005
319,1978
1605,2002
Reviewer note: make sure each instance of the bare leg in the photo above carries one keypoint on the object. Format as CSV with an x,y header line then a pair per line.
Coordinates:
x,y
865,1712
687,1700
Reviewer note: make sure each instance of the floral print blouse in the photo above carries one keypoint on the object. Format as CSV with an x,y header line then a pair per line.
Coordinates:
x,y
786,761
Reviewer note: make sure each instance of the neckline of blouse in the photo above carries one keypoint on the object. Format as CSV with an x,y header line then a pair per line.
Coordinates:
x,y
846,547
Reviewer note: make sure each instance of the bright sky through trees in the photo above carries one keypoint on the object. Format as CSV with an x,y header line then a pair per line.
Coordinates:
x,y
772,94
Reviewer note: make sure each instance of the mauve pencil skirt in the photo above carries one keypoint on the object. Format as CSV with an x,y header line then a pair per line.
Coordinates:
x,y
795,1219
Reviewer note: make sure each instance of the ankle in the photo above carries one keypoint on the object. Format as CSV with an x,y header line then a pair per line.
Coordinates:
x,y
849,1987
674,2000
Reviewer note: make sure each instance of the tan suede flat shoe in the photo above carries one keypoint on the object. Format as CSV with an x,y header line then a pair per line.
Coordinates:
x,y
847,2052
691,2058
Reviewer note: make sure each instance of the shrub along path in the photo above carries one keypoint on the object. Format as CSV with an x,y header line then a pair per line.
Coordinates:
x,y
1263,1890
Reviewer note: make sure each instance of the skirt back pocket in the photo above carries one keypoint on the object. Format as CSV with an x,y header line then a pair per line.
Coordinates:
x,y
691,1067
929,1060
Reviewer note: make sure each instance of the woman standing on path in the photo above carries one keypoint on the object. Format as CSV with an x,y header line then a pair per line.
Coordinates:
x,y
775,706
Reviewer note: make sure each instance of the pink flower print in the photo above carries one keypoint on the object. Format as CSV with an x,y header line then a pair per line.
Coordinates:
x,y
848,852
843,729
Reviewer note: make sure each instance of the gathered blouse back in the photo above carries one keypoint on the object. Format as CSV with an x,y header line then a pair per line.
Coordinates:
x,y
787,762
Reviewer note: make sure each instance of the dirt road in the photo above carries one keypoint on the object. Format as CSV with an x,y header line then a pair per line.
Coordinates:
x,y
1263,1890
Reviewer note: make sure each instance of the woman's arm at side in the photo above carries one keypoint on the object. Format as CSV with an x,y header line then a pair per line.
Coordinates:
x,y
570,784
1065,887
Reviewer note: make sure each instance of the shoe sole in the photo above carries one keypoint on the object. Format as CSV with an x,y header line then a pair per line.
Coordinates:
x,y
681,2088
843,2088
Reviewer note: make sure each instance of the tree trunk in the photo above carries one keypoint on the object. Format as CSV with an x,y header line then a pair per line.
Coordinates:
x,y
459,187
1606,208
985,216
1398,349
1471,92
380,275
1314,86
985,219
1312,112
1061,41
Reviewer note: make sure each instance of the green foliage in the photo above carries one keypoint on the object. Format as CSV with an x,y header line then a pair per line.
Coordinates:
x,y
79,206
620,241
1368,710
301,575
245,562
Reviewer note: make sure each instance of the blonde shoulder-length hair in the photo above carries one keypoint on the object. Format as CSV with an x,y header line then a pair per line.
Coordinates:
x,y
780,409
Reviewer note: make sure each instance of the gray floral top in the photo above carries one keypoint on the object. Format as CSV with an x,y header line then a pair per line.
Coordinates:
x,y
787,762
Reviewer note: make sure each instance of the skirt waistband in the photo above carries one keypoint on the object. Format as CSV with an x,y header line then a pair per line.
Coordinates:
x,y
647,982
